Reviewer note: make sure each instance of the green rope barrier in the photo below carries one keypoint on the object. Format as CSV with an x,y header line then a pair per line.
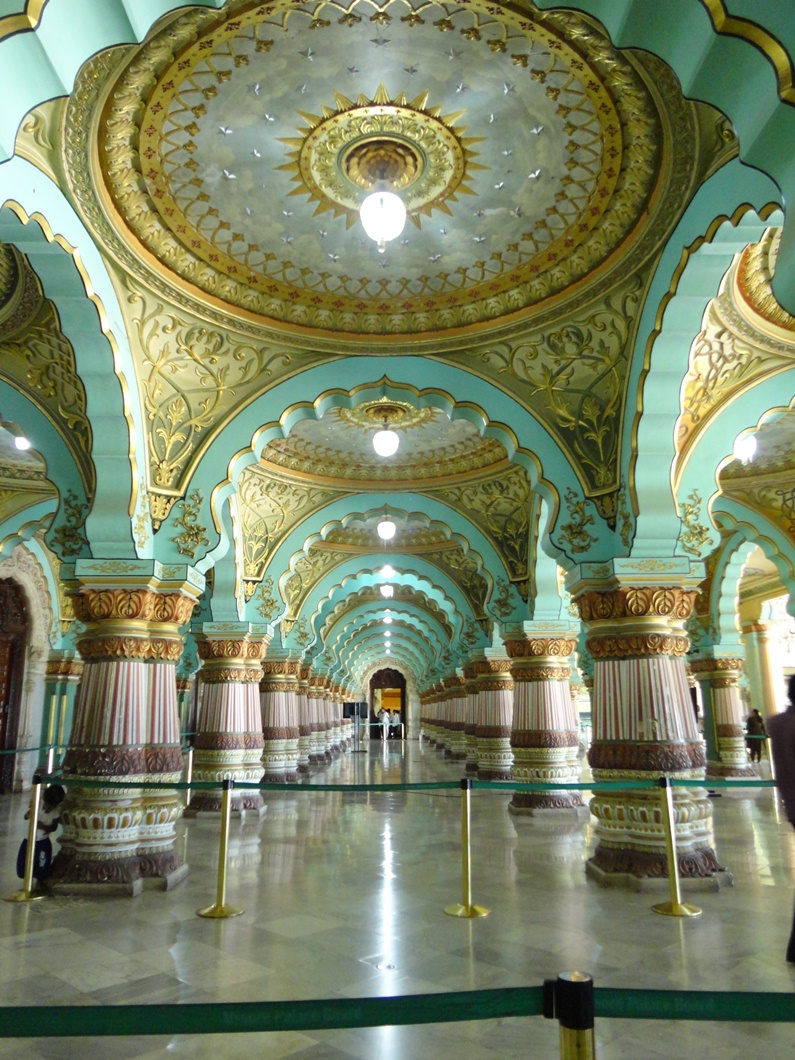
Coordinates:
x,y
703,1005
60,1021
27,750
477,785
56,1021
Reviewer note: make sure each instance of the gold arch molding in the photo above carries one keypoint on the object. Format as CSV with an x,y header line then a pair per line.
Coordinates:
x,y
593,207
104,323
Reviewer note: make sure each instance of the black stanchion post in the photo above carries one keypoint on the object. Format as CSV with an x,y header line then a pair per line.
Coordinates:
x,y
569,1000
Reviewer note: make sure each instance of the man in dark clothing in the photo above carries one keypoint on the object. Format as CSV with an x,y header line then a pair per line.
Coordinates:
x,y
755,732
781,729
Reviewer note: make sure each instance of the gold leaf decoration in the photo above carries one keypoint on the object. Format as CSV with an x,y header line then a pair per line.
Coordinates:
x,y
193,535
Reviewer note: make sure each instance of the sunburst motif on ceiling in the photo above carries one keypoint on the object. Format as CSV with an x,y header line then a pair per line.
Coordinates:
x,y
419,151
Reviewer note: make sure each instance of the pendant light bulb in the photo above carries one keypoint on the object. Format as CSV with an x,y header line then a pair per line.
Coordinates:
x,y
387,591
383,216
385,441
386,529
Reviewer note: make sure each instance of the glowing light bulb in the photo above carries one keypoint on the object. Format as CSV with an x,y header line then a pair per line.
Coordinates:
x,y
383,216
386,529
387,591
386,442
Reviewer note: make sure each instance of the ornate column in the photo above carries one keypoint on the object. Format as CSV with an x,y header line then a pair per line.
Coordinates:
x,y
443,722
495,718
333,718
456,693
125,725
304,722
317,741
280,730
724,724
764,677
471,719
229,740
643,723
62,678
545,730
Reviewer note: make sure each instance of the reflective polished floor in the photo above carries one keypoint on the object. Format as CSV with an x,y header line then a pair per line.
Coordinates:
x,y
344,896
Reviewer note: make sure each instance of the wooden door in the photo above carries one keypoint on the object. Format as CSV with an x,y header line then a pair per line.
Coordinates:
x,y
13,631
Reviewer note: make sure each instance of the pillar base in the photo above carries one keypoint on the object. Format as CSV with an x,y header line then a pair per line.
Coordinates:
x,y
210,803
116,876
648,865
722,771
571,811
658,884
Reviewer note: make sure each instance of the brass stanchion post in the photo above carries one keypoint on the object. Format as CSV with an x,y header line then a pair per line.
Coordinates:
x,y
569,1000
188,773
62,723
466,908
219,910
26,894
675,907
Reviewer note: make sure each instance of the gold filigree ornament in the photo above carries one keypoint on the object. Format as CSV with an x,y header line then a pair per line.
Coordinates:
x,y
407,143
193,535
694,534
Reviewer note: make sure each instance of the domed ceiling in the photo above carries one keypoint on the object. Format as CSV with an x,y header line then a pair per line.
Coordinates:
x,y
236,149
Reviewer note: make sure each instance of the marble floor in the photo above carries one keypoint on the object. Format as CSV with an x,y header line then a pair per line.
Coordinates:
x,y
344,897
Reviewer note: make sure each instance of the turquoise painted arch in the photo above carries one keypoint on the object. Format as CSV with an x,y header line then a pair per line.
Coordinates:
x,y
367,648
405,619
350,569
729,72
327,616
38,219
455,390
683,293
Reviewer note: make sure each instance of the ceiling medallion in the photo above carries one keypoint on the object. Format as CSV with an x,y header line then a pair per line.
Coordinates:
x,y
396,413
419,151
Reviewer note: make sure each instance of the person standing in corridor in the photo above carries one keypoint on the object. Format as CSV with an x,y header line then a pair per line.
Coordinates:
x,y
781,730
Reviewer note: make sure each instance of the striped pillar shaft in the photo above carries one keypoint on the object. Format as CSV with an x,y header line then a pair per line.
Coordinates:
x,y
471,719
445,737
424,733
643,726
304,721
125,726
317,746
544,736
228,742
279,702
495,719
726,752
456,705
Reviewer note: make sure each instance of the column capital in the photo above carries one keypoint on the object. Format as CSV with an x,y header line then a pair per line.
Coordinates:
x,y
230,652
640,573
133,573
720,672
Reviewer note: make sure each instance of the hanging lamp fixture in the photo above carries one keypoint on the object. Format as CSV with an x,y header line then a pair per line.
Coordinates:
x,y
386,441
383,215
386,528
